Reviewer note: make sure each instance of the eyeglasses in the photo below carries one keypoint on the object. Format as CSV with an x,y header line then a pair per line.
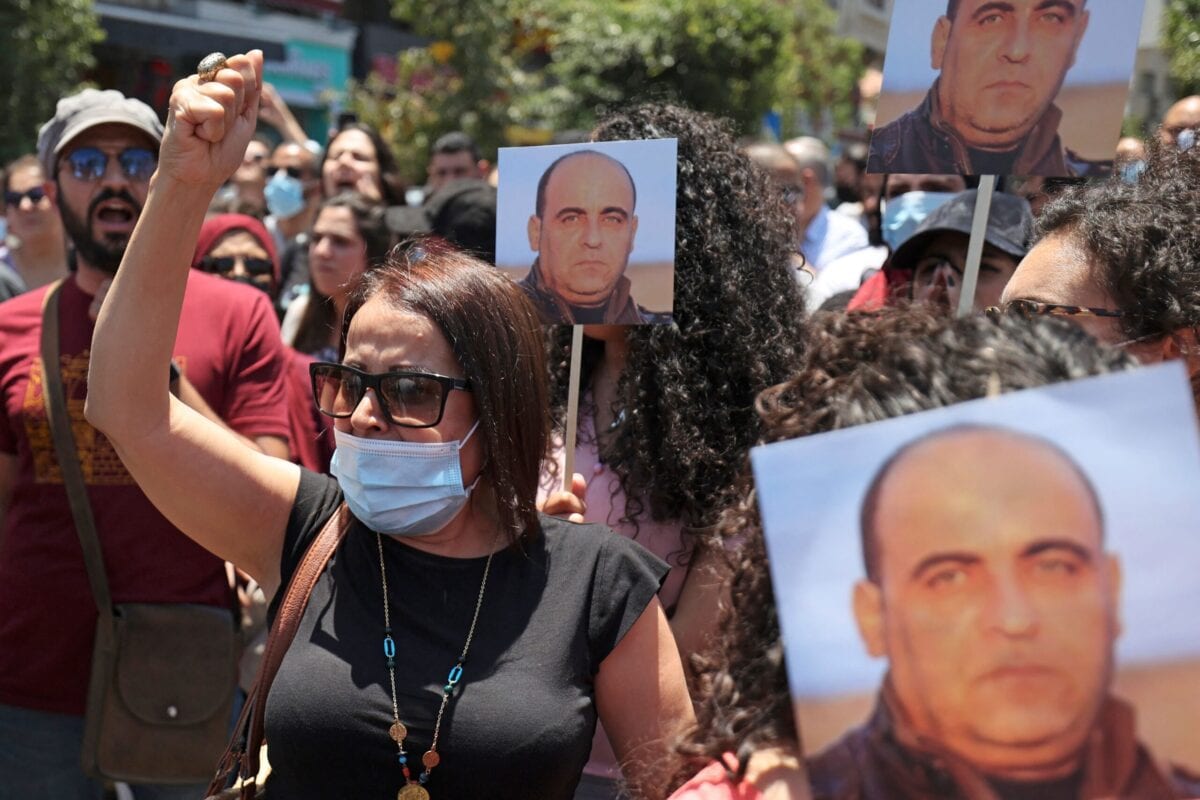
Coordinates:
x,y
1031,308
408,399
294,172
90,163
225,264
35,195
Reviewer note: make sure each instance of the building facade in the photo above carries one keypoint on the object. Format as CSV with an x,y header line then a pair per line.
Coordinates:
x,y
307,44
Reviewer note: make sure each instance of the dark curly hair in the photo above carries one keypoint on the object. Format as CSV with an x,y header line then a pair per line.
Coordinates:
x,y
1144,236
689,386
859,368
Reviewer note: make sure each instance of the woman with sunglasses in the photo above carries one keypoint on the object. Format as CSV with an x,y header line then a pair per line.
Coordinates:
x,y
239,248
34,247
458,644
349,235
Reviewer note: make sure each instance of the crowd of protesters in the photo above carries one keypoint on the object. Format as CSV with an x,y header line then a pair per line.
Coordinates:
x,y
334,337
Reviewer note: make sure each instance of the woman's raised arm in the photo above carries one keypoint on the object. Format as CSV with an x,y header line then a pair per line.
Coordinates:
x,y
231,499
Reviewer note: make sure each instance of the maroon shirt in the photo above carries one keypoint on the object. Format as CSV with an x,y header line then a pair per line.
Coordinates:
x,y
228,346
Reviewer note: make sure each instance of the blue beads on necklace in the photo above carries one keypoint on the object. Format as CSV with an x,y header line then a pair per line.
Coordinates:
x,y
389,649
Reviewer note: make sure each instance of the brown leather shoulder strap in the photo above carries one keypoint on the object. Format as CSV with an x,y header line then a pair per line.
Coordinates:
x,y
243,749
67,454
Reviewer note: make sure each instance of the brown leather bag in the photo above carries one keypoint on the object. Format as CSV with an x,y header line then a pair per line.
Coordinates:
x,y
239,765
163,675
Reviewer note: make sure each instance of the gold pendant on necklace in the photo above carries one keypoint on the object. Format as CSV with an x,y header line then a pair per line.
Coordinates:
x,y
398,732
413,791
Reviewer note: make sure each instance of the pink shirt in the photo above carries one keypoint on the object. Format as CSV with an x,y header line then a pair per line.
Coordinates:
x,y
712,783
606,504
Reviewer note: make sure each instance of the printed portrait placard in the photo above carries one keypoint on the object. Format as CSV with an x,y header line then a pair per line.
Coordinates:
x,y
1020,87
588,230
997,585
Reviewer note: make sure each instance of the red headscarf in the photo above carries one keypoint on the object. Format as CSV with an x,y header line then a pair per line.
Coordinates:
x,y
215,227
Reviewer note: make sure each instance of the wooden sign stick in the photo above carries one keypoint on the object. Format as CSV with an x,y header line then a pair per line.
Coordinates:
x,y
572,405
983,207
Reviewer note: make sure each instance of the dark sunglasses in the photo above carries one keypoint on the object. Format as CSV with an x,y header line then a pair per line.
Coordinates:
x,y
1033,308
90,163
225,264
35,195
408,399
294,172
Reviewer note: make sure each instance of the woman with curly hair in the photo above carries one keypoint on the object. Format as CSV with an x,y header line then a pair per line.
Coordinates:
x,y
667,412
859,368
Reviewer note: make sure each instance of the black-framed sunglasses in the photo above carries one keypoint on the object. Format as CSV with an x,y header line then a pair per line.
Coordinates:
x,y
223,265
35,195
409,399
90,163
1034,308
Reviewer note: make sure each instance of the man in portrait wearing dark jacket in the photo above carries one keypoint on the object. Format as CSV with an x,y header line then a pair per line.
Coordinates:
x,y
991,110
583,230
991,594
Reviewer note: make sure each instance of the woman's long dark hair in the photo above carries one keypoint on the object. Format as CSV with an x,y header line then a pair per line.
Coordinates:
x,y
688,387
859,368
318,321
391,181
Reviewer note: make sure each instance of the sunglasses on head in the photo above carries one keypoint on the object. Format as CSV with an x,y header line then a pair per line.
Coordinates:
x,y
90,163
35,195
410,399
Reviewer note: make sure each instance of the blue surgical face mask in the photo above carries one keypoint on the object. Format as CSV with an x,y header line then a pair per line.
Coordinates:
x,y
1186,140
285,195
1131,171
401,488
903,213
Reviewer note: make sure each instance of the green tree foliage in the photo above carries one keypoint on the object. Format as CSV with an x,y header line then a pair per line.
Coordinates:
x,y
465,80
1181,40
823,82
724,56
48,47
507,70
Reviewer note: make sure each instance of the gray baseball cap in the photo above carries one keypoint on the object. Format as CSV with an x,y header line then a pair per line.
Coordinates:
x,y
87,109
1010,224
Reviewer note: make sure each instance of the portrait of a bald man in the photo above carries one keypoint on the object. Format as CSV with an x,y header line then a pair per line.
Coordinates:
x,y
990,593
991,110
583,229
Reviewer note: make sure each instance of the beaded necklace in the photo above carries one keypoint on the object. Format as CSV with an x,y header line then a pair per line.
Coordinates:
x,y
415,790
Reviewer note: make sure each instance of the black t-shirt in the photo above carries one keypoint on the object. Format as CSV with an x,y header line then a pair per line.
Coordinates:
x,y
521,721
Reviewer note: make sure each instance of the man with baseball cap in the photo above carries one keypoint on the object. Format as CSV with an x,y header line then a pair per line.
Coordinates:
x,y
935,255
100,150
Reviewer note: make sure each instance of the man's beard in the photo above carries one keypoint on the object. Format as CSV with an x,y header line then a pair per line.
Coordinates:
x,y
104,255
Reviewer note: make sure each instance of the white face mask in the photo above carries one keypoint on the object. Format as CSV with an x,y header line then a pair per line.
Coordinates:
x,y
401,488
